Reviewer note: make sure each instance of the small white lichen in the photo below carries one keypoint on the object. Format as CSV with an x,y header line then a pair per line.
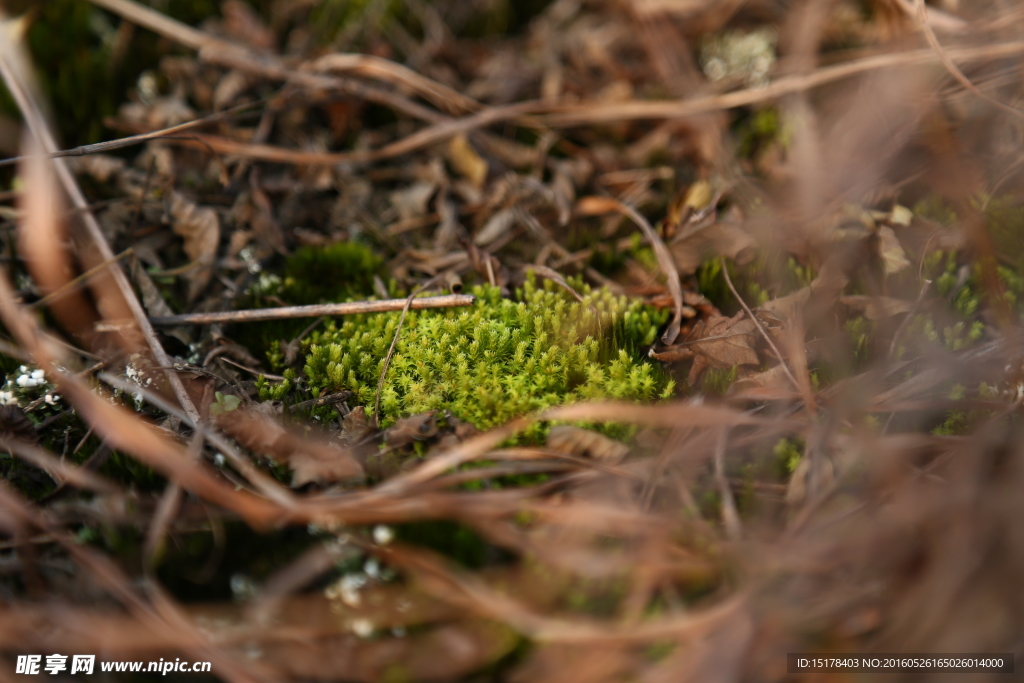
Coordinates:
x,y
745,56
383,534
362,627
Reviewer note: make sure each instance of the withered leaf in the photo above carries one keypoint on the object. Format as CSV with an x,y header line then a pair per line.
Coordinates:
x,y
877,307
894,258
724,239
578,441
354,426
718,342
411,202
199,227
496,226
311,459
726,342
466,161
412,428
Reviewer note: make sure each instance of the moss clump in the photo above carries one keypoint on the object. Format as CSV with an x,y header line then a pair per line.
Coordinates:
x,y
497,360
339,272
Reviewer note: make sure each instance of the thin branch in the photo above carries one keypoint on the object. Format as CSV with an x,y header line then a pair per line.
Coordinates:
x,y
288,312
110,145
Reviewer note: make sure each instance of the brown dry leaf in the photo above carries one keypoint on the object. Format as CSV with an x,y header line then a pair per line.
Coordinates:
x,y
721,239
412,428
877,307
466,161
411,202
199,227
496,226
686,201
718,342
354,426
893,256
578,441
311,459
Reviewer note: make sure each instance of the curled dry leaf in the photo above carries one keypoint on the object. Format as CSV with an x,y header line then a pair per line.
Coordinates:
x,y
721,239
466,161
894,258
411,202
199,227
412,428
718,342
877,307
577,441
355,426
311,459
496,226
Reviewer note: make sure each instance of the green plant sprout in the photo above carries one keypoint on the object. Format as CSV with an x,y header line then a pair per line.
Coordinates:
x,y
498,360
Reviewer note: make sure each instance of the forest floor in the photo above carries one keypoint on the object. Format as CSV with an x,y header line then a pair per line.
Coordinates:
x,y
590,340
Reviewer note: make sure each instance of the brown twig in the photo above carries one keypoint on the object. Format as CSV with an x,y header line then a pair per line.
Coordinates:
x,y
316,310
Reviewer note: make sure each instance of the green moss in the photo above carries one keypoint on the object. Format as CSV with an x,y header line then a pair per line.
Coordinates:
x,y
788,454
338,272
497,360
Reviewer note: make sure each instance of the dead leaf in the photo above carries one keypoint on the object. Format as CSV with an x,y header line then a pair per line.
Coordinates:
x,y
242,23
496,226
411,202
893,256
199,227
154,301
721,239
877,307
466,161
412,428
577,441
718,342
311,459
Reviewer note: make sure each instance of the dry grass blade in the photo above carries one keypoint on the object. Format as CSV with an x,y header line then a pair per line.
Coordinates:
x,y
590,113
111,145
441,95
14,70
123,430
61,471
591,205
925,25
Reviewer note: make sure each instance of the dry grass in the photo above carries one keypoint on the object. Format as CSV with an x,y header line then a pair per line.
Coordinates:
x,y
693,558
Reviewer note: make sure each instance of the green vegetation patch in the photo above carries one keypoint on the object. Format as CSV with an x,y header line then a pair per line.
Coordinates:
x,y
497,360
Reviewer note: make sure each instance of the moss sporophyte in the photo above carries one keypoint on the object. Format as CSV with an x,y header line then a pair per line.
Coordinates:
x,y
500,359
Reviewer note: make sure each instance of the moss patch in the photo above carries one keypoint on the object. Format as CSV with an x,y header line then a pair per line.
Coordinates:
x,y
497,360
